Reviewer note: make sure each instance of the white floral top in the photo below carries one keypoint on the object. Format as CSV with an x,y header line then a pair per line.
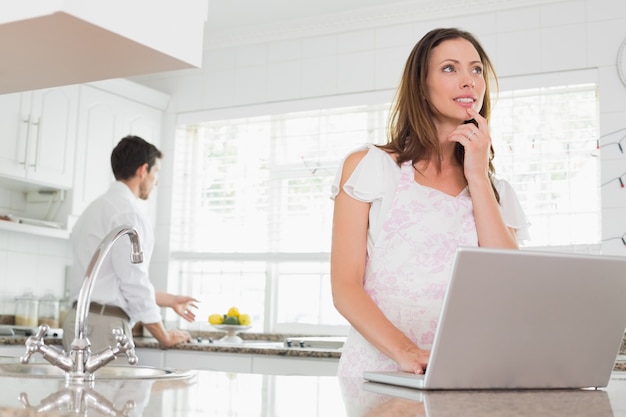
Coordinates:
x,y
412,239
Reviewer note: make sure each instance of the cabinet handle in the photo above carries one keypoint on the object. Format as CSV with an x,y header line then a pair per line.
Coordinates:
x,y
27,121
38,124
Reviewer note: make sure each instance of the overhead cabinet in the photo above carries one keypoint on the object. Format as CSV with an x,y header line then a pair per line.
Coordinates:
x,y
61,139
105,117
38,131
64,42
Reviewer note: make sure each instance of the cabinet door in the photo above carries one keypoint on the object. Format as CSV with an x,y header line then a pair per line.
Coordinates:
x,y
12,350
149,357
208,361
38,130
104,119
51,136
95,138
282,365
14,121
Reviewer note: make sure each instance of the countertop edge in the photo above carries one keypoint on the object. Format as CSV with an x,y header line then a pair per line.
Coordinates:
x,y
207,346
151,343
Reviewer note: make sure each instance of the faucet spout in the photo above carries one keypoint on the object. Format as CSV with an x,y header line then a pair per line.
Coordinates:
x,y
79,365
84,296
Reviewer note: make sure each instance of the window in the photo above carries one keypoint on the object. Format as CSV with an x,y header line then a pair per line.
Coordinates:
x,y
251,213
545,145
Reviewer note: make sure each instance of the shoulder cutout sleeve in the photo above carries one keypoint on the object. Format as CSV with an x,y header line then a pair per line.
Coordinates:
x,y
367,182
512,210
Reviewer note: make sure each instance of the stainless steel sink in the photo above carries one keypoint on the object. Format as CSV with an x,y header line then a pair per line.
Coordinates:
x,y
45,370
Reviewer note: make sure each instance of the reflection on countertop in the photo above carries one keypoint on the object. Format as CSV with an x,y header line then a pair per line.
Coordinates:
x,y
213,394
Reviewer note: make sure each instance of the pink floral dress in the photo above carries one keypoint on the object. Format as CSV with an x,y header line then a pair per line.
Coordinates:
x,y
409,261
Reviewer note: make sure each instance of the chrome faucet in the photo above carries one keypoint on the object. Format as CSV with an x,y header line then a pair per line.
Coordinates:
x,y
80,364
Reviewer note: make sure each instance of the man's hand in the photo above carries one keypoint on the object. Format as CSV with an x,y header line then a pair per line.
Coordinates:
x,y
167,338
176,337
183,305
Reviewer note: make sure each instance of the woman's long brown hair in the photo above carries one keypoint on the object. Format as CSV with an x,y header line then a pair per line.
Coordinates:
x,y
412,132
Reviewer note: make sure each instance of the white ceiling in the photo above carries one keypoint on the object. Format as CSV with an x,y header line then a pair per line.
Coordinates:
x,y
248,21
236,21
227,14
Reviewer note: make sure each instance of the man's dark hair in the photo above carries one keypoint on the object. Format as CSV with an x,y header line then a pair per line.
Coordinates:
x,y
131,153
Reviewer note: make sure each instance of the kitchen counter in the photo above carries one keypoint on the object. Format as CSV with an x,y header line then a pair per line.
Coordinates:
x,y
256,344
210,354
268,345
219,394
223,394
255,347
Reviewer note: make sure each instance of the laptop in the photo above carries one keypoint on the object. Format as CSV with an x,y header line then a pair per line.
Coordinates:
x,y
553,403
521,319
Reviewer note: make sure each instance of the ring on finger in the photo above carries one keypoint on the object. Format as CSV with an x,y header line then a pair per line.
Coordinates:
x,y
471,134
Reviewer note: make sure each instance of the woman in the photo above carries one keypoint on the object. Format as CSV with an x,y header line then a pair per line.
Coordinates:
x,y
402,209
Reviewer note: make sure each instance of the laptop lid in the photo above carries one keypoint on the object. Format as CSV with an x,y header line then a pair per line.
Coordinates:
x,y
518,319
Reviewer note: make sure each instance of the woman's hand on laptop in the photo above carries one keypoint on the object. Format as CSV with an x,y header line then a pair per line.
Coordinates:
x,y
414,360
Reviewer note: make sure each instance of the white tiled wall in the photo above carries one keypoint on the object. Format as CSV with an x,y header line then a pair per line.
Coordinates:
x,y
31,263
278,74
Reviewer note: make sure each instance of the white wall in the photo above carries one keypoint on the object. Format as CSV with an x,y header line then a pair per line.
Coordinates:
x,y
349,65
343,67
30,263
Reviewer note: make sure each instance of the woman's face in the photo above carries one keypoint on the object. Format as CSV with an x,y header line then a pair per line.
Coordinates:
x,y
455,81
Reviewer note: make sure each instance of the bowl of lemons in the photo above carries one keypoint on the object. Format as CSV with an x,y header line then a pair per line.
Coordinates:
x,y
233,322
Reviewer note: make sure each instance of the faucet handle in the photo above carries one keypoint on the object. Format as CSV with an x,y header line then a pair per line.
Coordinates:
x,y
125,345
132,357
34,343
43,329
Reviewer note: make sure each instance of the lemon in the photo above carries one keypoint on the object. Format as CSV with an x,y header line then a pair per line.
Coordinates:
x,y
216,319
231,320
233,312
244,319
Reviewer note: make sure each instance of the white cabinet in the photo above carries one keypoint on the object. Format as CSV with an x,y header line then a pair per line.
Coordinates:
x,y
149,357
286,365
38,130
250,363
50,43
61,138
208,361
104,118
12,350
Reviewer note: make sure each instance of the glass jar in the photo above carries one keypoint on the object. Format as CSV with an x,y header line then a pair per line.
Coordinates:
x,y
26,310
49,311
7,310
64,307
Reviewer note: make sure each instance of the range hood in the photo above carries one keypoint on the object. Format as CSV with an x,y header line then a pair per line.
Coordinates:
x,y
48,43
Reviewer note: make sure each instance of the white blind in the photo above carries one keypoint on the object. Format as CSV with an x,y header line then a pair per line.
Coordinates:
x,y
545,141
262,184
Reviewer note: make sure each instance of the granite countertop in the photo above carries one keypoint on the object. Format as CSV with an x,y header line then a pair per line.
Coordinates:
x,y
224,394
273,346
253,343
256,344
218,394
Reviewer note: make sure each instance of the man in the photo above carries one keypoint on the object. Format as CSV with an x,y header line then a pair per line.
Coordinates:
x,y
122,293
